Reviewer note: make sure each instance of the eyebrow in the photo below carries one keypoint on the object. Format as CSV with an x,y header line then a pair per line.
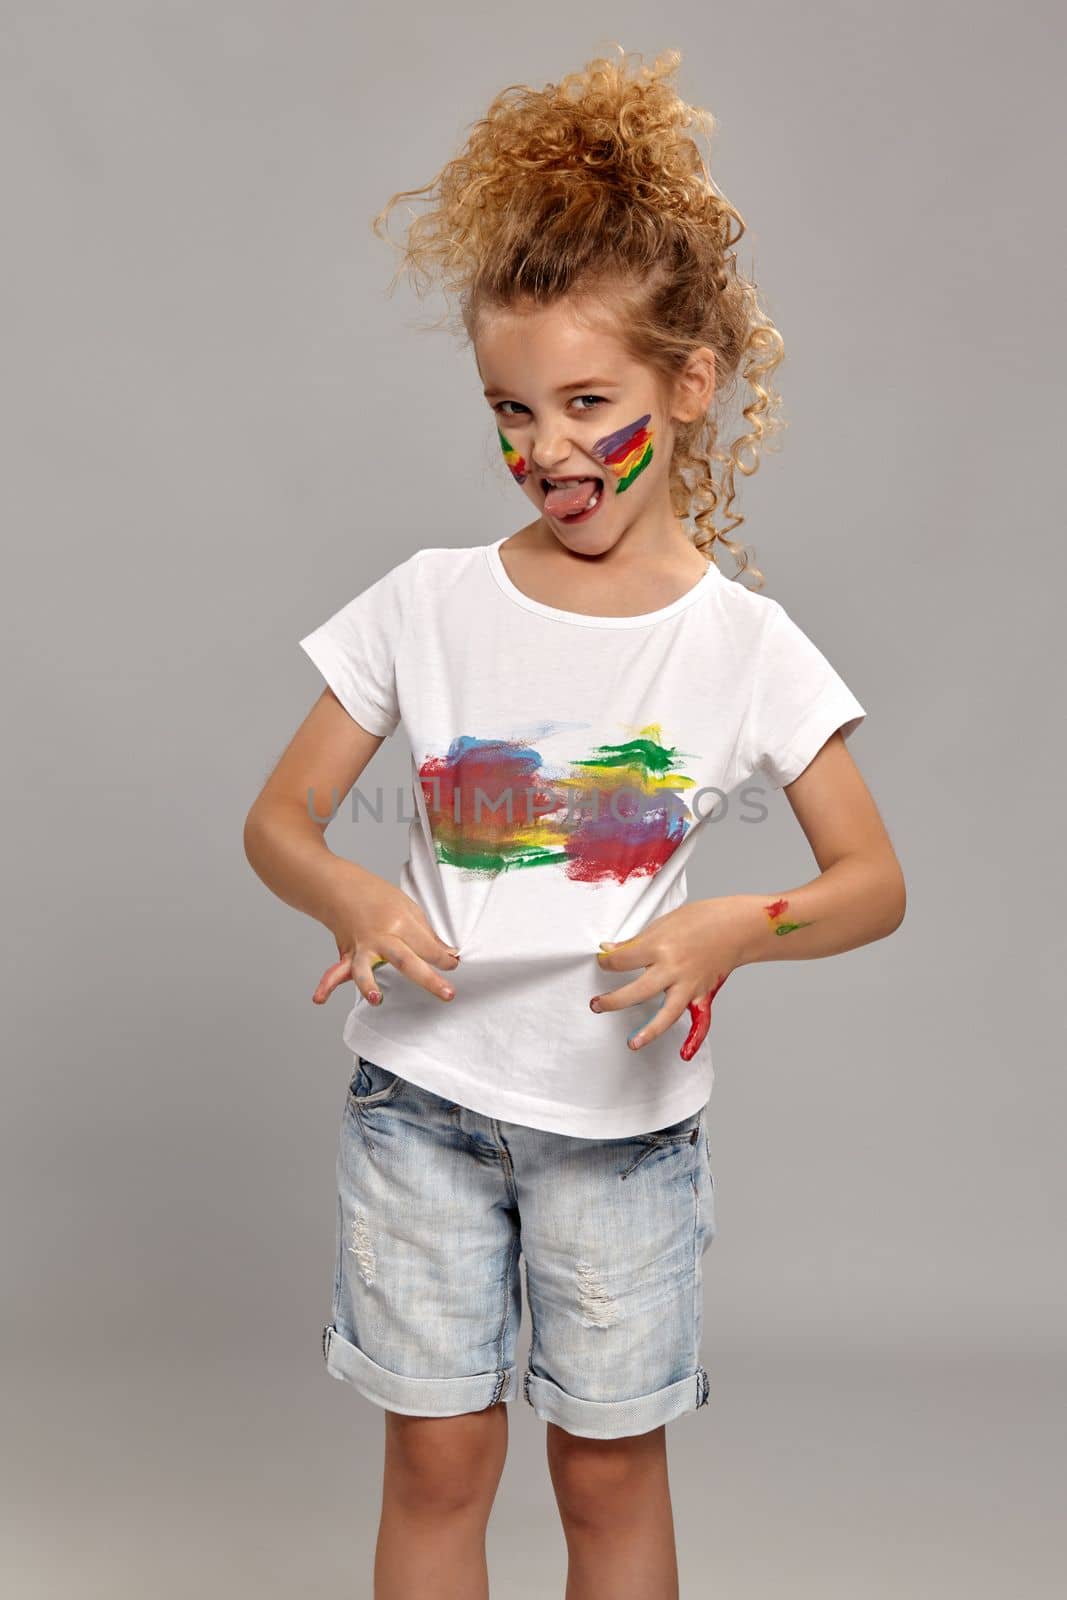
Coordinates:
x,y
565,388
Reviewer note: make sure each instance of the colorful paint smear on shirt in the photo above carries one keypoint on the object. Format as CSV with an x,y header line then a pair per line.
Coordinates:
x,y
627,452
606,816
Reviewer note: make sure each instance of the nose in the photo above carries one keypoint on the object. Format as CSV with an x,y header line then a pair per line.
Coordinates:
x,y
549,451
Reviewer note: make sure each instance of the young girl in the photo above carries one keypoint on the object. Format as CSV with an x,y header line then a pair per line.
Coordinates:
x,y
531,1022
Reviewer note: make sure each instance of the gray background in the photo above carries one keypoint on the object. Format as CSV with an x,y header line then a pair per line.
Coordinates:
x,y
219,428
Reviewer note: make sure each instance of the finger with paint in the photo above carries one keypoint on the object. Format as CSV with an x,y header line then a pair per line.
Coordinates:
x,y
699,1010
700,1021
700,1013
341,972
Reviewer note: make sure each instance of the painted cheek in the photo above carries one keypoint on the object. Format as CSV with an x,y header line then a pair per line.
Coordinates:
x,y
628,452
516,463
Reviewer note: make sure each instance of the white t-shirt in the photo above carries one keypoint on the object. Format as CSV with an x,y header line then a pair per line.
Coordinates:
x,y
613,738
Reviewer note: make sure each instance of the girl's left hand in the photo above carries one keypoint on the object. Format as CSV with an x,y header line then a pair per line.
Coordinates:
x,y
687,954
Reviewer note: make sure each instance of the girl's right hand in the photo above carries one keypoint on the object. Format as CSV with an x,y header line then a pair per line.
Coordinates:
x,y
386,925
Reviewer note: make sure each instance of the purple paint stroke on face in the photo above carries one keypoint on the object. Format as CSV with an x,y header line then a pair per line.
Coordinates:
x,y
612,441
626,453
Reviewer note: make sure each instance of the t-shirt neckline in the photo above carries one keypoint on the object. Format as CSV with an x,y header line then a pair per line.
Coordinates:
x,y
643,620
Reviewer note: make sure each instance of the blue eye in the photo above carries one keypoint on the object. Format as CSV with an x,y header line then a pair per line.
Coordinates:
x,y
596,398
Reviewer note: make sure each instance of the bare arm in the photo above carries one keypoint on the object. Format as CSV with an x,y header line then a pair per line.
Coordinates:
x,y
859,895
285,843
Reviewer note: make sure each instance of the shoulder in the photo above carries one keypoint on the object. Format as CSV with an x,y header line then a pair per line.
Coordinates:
x,y
426,566
443,559
744,615
435,571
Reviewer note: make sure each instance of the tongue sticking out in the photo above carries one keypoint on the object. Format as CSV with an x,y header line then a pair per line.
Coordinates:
x,y
575,497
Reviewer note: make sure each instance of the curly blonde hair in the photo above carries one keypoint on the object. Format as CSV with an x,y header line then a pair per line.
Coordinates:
x,y
592,189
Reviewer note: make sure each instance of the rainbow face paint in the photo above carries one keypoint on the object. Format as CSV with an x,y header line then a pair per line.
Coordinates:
x,y
627,452
516,463
777,910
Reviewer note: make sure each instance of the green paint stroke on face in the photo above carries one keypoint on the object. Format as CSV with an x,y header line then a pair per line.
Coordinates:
x,y
516,463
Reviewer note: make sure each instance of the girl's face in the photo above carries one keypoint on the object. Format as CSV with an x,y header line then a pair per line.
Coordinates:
x,y
570,404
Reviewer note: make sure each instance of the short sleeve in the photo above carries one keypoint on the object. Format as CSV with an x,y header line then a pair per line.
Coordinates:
x,y
798,701
356,649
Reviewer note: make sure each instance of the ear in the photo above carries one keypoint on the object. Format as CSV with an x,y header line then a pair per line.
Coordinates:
x,y
695,387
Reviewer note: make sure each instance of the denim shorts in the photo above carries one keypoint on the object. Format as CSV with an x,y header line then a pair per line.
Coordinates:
x,y
436,1204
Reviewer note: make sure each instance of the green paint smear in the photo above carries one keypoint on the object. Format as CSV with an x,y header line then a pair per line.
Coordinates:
x,y
651,757
490,860
791,927
624,483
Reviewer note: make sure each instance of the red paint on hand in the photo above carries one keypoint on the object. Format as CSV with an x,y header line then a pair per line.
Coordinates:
x,y
700,1012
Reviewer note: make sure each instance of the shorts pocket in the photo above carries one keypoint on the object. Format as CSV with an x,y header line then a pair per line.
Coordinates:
x,y
372,1085
684,1128
687,1131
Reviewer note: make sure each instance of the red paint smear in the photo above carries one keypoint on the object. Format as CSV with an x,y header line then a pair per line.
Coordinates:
x,y
700,1013
777,908
493,769
627,449
619,850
